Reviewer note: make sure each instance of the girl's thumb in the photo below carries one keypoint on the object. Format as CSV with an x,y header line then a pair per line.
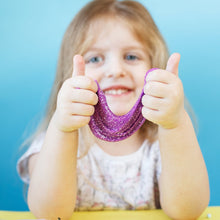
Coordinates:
x,y
78,66
173,63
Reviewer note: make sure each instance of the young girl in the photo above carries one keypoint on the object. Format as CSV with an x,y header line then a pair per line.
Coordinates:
x,y
114,43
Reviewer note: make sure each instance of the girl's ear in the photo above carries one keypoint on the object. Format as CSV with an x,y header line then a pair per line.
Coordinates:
x,y
78,66
173,63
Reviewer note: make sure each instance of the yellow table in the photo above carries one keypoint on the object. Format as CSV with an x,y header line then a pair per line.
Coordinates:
x,y
212,213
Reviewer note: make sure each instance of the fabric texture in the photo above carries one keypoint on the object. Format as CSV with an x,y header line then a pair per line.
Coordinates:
x,y
108,182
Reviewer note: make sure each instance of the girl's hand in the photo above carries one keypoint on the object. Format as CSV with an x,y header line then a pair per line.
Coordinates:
x,y
163,102
76,99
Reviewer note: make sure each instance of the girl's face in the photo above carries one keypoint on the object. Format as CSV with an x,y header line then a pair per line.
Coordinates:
x,y
119,62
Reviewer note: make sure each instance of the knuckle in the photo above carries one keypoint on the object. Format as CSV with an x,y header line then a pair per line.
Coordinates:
x,y
147,88
66,83
156,73
93,98
79,121
89,110
92,85
147,114
92,110
89,83
144,112
144,99
149,101
85,81
85,120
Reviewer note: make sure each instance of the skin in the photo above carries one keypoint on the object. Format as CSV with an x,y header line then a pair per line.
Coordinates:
x,y
113,62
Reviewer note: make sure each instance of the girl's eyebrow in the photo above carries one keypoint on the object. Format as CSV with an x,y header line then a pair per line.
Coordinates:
x,y
134,47
95,49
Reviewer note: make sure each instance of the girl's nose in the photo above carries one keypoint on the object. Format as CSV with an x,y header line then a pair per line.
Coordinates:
x,y
115,69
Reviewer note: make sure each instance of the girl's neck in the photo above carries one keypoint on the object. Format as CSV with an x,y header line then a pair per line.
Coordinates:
x,y
124,147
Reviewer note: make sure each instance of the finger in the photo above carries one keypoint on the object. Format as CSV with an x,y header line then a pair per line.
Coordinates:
x,y
83,82
152,102
78,66
84,96
150,114
173,63
81,109
155,89
79,70
78,121
159,76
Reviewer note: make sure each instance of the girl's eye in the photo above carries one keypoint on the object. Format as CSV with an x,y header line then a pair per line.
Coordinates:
x,y
95,59
131,57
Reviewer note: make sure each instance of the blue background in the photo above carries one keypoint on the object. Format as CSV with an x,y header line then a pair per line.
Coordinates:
x,y
31,34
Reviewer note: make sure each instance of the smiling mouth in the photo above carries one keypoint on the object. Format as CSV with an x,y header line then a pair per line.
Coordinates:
x,y
116,91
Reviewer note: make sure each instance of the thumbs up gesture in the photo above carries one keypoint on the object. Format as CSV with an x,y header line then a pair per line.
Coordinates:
x,y
76,99
163,102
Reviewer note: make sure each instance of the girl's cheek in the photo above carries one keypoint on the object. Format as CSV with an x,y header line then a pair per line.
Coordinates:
x,y
89,72
94,74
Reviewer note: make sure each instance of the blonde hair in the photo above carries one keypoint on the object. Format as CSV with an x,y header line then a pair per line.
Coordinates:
x,y
77,39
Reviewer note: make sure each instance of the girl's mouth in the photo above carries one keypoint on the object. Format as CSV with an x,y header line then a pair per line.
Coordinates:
x,y
116,91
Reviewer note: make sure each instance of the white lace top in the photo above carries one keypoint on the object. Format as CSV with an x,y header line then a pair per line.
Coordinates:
x,y
111,182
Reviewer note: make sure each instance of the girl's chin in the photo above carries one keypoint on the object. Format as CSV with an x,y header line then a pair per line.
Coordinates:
x,y
119,113
120,106
117,110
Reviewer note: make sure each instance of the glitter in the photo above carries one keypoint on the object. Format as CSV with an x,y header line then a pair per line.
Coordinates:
x,y
107,126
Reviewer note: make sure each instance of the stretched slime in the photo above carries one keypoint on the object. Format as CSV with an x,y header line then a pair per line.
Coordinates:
x,y
107,126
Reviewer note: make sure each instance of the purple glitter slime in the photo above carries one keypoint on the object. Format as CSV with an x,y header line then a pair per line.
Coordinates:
x,y
107,126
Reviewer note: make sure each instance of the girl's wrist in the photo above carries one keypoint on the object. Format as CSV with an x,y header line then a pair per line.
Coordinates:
x,y
181,119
